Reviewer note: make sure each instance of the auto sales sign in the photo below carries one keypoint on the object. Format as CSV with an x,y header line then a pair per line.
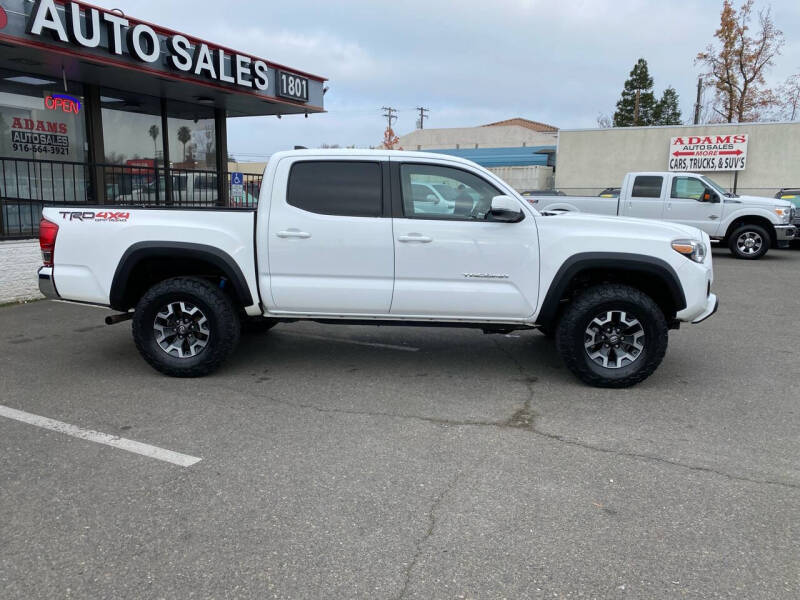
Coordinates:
x,y
726,152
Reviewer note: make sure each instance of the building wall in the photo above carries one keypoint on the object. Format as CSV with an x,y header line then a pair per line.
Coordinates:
x,y
19,261
497,136
526,178
598,158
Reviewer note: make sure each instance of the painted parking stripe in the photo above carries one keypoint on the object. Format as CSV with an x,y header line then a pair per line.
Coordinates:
x,y
356,342
176,458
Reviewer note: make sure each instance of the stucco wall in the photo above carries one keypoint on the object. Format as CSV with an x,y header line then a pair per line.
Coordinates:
x,y
505,136
526,178
19,261
599,158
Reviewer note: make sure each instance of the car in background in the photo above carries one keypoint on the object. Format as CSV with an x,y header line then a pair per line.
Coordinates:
x,y
793,196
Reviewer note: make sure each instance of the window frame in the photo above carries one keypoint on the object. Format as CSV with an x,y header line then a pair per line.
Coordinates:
x,y
385,200
398,207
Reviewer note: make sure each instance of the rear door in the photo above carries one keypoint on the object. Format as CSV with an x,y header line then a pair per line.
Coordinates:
x,y
645,198
457,263
686,205
330,237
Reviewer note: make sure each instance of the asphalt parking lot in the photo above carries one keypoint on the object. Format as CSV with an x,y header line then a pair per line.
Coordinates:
x,y
355,462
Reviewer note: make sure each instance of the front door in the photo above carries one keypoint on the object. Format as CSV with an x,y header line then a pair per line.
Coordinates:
x,y
330,239
451,260
686,205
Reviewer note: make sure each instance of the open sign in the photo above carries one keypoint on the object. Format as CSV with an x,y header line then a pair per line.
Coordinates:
x,y
63,103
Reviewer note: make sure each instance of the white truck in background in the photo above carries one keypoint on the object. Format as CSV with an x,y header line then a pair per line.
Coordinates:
x,y
748,225
357,236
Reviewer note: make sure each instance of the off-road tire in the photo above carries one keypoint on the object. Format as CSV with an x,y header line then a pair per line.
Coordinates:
x,y
571,335
766,241
223,324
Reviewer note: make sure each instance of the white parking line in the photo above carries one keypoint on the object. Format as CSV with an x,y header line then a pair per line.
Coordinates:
x,y
356,342
176,458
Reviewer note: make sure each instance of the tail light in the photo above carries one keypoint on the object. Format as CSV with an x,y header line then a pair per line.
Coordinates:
x,y
47,240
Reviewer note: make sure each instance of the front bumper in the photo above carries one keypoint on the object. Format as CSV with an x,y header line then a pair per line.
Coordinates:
x,y
46,284
711,307
784,234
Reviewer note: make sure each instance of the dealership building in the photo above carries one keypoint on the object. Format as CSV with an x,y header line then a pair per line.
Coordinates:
x,y
100,108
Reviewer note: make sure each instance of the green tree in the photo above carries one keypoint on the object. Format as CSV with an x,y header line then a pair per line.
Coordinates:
x,y
667,111
637,104
184,135
153,132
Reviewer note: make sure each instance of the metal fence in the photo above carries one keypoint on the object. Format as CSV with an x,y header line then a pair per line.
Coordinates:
x,y
27,185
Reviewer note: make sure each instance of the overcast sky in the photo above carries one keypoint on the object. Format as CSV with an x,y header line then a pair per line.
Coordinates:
x,y
470,61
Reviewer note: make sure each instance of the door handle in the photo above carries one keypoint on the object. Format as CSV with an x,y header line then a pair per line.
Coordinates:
x,y
415,237
293,233
712,217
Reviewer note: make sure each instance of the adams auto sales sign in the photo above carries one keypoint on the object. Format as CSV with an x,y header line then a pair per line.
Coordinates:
x,y
708,153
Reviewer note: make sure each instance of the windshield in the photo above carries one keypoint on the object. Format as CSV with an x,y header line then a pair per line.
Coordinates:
x,y
714,185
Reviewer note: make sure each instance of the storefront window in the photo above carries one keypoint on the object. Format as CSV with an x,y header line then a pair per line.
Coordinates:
x,y
193,153
42,149
133,148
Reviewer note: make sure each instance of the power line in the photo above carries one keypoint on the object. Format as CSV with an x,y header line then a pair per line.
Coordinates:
x,y
422,116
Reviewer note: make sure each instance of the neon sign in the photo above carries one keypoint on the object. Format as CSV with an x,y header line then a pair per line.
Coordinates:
x,y
63,103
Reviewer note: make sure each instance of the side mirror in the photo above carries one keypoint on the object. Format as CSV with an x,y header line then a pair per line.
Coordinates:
x,y
505,209
710,196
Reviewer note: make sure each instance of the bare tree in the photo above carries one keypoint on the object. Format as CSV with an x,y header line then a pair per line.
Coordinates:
x,y
736,66
789,92
604,121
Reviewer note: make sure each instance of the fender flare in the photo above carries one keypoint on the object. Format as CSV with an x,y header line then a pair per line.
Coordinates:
x,y
186,250
616,261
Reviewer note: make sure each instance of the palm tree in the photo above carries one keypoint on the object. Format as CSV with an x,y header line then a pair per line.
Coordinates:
x,y
153,131
184,135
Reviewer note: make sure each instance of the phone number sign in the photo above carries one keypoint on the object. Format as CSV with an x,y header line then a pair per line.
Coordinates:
x,y
708,153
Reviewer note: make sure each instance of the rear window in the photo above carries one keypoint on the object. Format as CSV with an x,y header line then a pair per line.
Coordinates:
x,y
346,188
647,186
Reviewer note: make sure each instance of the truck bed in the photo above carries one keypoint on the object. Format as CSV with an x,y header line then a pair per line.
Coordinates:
x,y
588,204
92,241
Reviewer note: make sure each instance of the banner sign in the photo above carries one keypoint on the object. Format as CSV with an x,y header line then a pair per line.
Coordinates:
x,y
708,153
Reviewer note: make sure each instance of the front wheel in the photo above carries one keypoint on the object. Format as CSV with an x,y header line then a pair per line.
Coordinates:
x,y
185,327
749,242
612,336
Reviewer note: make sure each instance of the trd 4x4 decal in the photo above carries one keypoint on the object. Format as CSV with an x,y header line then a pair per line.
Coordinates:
x,y
103,215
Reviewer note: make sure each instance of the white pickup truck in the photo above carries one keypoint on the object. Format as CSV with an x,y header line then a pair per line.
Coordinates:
x,y
340,237
748,225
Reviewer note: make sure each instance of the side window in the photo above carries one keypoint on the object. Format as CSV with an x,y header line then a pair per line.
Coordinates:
x,y
336,187
647,186
434,192
687,188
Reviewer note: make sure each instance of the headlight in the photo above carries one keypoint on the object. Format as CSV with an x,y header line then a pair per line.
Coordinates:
x,y
784,214
692,249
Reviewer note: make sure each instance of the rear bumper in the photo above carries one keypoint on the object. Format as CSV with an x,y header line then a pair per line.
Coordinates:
x,y
711,307
46,284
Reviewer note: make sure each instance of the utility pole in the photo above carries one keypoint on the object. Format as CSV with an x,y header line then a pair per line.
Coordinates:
x,y
390,114
636,108
423,116
698,105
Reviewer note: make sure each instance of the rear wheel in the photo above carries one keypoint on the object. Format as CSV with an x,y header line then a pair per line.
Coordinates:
x,y
612,336
749,242
185,327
